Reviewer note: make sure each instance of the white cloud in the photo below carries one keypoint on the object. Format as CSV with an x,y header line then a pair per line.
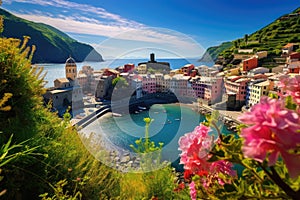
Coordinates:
x,y
100,12
124,33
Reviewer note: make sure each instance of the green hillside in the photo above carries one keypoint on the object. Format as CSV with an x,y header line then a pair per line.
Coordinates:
x,y
52,45
271,38
212,53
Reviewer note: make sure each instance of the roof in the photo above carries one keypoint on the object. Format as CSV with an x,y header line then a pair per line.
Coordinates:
x,y
124,74
167,77
242,80
261,84
113,71
70,60
62,80
232,77
288,45
81,76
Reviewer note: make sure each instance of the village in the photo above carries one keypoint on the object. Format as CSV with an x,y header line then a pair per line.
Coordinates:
x,y
231,89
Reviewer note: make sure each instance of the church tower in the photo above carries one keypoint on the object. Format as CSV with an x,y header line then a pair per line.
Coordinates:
x,y
71,69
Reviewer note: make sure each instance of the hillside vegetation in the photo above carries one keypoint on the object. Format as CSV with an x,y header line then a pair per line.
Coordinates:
x,y
53,46
212,53
271,38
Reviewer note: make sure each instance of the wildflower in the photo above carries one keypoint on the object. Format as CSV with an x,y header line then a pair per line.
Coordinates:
x,y
274,131
291,86
180,187
195,147
193,191
78,179
217,167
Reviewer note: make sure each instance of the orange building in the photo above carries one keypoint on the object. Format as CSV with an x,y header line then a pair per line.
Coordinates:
x,y
250,63
111,72
188,69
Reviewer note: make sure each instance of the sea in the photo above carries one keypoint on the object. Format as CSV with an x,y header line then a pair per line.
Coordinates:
x,y
170,122
54,71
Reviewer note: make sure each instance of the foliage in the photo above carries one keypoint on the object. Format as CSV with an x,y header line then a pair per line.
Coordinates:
x,y
44,149
119,82
153,182
271,38
265,152
60,194
212,53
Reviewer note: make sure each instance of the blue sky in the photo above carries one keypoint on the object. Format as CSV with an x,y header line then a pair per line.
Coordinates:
x,y
177,28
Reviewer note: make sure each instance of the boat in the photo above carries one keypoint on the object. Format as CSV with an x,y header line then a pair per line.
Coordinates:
x,y
177,119
116,114
142,108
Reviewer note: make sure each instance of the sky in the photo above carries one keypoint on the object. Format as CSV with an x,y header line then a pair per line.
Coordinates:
x,y
170,28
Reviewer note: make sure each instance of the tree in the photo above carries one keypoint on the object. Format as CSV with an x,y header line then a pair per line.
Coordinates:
x,y
120,82
1,20
239,42
235,43
246,39
260,38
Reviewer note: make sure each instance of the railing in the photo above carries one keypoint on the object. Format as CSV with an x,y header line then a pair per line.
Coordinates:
x,y
93,116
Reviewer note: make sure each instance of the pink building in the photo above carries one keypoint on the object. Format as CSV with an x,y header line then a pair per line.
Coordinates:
x,y
237,85
149,83
208,88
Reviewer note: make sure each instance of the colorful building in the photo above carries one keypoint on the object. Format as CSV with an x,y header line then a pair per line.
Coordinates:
x,y
293,67
66,91
258,90
287,49
142,69
250,63
149,83
111,72
189,70
128,67
237,85
207,88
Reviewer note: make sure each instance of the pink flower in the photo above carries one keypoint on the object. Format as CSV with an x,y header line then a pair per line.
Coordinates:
x,y
217,167
193,191
274,131
222,166
195,147
291,86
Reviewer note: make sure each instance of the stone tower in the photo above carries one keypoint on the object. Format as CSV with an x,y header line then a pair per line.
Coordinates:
x,y
71,69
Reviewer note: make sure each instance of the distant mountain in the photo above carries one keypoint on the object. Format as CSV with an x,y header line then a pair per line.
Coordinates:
x,y
52,45
271,38
212,53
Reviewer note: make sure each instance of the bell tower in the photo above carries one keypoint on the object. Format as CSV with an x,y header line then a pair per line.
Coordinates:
x,y
71,68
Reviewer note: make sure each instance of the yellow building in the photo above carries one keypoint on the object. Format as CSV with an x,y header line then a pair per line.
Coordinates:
x,y
142,69
258,90
233,72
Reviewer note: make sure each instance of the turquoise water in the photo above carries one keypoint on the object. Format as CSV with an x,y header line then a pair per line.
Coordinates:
x,y
170,122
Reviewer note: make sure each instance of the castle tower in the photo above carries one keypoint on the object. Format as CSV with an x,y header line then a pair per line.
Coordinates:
x,y
71,68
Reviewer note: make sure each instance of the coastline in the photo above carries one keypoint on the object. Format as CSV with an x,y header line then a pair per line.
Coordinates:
x,y
228,117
